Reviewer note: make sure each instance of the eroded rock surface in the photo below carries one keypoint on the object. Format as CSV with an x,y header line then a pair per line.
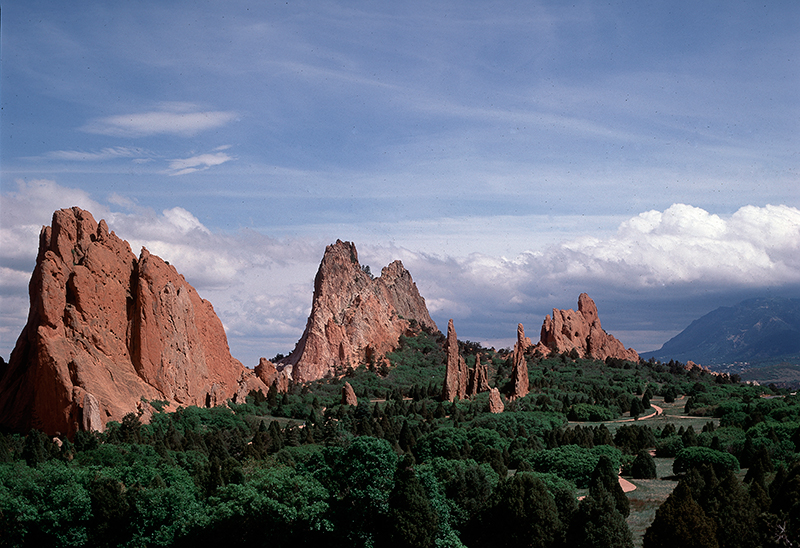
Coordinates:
x,y
349,395
355,318
519,371
478,378
107,329
581,330
495,401
456,373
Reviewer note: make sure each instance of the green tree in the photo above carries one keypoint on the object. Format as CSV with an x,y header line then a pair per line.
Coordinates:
x,y
691,457
361,477
598,524
606,477
643,467
636,407
681,522
735,514
410,520
522,513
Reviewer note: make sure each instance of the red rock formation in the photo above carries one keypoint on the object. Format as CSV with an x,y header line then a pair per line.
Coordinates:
x,y
269,375
349,395
455,375
582,331
478,378
106,330
519,371
495,401
354,318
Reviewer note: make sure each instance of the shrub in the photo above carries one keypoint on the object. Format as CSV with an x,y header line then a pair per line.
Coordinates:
x,y
643,467
587,412
573,462
690,457
669,447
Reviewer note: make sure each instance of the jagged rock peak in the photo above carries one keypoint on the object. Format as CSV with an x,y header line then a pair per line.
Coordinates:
x,y
519,371
581,330
456,374
106,330
355,318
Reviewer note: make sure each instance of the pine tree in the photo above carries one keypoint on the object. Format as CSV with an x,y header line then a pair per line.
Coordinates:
x,y
410,521
522,513
681,522
598,524
644,467
734,513
604,476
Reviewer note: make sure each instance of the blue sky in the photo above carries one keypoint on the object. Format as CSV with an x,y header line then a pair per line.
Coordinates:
x,y
512,154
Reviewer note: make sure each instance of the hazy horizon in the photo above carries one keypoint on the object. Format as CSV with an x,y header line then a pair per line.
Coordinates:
x,y
512,155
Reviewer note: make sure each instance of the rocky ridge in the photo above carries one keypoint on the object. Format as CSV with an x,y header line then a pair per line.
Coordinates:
x,y
354,318
107,330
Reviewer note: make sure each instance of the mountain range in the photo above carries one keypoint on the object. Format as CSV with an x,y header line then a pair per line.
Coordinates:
x,y
755,331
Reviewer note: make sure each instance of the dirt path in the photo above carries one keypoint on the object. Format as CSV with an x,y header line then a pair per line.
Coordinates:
x,y
626,485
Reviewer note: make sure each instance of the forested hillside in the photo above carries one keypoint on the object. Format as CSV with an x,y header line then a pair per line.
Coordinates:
x,y
403,468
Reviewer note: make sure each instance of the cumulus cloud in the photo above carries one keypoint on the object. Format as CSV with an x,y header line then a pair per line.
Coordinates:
x,y
261,287
685,244
173,118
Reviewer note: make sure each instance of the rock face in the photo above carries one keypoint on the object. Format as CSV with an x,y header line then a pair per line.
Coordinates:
x,y
519,371
355,318
106,330
349,395
582,331
456,374
478,378
269,375
495,401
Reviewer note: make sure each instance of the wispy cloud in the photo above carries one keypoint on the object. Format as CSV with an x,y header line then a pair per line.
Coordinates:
x,y
107,153
200,162
174,119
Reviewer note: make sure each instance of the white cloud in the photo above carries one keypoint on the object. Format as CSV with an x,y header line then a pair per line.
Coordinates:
x,y
174,118
261,287
686,244
182,166
108,153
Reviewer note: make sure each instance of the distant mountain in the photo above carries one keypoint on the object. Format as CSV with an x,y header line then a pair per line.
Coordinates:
x,y
755,330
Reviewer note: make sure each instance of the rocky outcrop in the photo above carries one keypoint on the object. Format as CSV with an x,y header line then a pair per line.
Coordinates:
x,y
519,371
355,318
269,375
581,330
478,378
495,401
349,395
456,373
459,380
106,330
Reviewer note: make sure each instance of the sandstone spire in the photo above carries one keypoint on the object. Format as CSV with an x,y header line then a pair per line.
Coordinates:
x,y
455,376
495,401
106,330
519,373
355,318
581,330
478,378
349,395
